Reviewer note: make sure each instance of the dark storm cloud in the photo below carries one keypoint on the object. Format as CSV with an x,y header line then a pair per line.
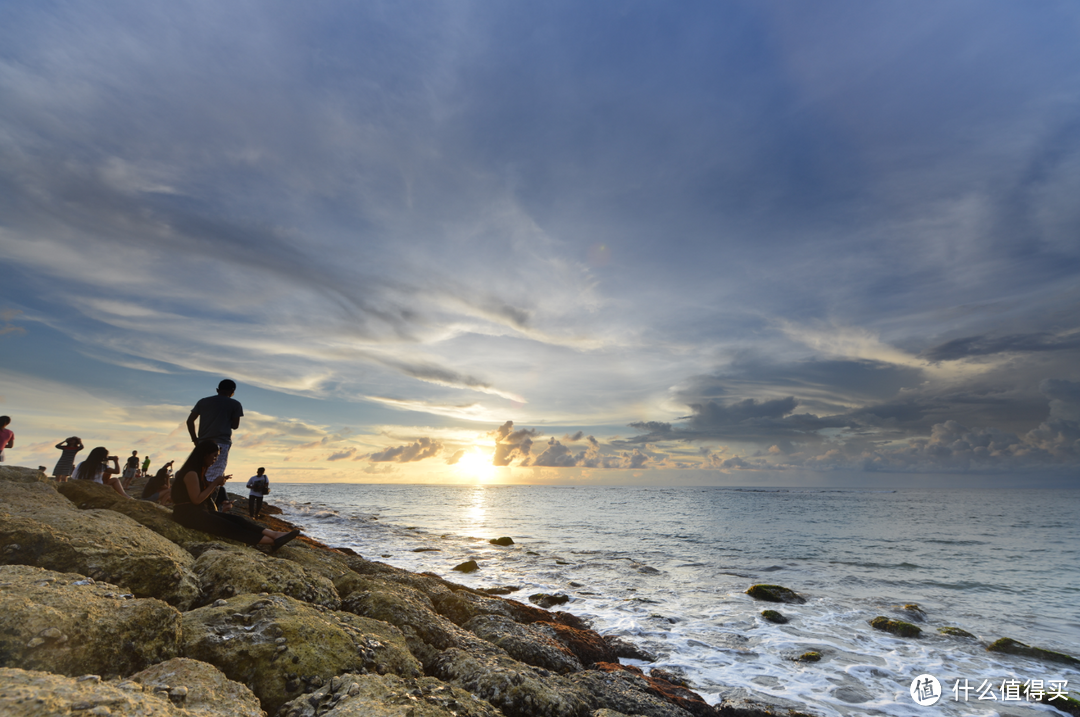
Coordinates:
x,y
418,450
988,345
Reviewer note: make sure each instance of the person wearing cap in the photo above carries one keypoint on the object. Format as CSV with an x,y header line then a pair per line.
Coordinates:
x,y
218,417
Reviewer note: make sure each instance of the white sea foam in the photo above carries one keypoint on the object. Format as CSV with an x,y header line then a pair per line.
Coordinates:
x,y
673,580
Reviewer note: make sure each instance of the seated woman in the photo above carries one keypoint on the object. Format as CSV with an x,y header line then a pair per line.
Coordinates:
x,y
157,488
95,468
193,508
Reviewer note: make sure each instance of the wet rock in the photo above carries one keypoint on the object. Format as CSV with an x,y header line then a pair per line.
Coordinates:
x,y
626,689
29,693
500,590
526,643
502,541
774,616
200,688
241,639
388,696
1012,647
426,632
463,605
913,612
224,573
621,647
40,527
517,689
586,645
955,632
469,566
896,627
427,550
775,593
675,678
809,656
545,600
64,623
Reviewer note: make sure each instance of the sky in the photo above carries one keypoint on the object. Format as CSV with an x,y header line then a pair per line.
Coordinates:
x,y
696,243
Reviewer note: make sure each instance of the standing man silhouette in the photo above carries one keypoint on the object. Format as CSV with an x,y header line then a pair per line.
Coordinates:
x,y
218,416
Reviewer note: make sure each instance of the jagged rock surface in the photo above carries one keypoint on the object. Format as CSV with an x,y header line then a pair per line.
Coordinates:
x,y
29,693
223,574
282,648
200,688
388,696
40,527
65,623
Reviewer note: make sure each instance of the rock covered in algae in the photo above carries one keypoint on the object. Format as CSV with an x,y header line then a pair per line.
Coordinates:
x,y
200,688
774,616
1012,647
30,693
388,696
504,541
469,566
896,627
69,624
525,643
40,527
225,573
775,593
282,648
954,632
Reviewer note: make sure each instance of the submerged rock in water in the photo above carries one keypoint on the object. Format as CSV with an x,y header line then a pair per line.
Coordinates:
x,y
774,616
1012,647
775,593
622,647
469,566
502,541
809,656
913,612
545,600
65,623
896,627
954,632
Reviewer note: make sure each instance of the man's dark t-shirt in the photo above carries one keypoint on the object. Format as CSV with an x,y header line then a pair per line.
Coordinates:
x,y
216,417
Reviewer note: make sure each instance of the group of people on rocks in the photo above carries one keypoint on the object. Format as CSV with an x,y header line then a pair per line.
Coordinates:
x,y
197,495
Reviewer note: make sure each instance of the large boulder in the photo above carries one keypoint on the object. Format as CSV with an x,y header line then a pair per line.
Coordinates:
x,y
225,573
282,648
40,527
19,474
28,693
426,632
463,605
525,643
328,563
388,696
200,688
519,690
66,623
86,495
632,693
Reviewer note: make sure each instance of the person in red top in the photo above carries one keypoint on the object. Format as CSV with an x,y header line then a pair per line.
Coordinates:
x,y
7,436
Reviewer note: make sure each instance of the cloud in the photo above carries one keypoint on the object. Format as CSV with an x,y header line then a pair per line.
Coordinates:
x,y
420,449
453,458
511,444
972,346
7,326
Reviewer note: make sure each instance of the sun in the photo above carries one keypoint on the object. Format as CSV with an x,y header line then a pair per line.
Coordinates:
x,y
476,465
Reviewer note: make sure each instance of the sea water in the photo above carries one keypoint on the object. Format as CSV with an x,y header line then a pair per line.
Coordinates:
x,y
668,569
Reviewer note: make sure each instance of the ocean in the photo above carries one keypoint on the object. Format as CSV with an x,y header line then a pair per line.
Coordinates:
x,y
668,569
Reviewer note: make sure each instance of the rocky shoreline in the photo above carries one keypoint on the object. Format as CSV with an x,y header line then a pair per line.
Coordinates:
x,y
108,607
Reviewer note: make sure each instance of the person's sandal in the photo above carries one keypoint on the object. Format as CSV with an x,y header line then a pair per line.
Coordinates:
x,y
278,542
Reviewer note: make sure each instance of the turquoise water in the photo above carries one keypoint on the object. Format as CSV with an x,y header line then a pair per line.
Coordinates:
x,y
668,567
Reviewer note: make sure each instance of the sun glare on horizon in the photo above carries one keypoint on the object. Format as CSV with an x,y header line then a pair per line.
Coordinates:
x,y
476,465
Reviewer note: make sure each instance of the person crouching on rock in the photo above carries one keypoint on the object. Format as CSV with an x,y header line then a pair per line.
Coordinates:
x,y
96,468
193,508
